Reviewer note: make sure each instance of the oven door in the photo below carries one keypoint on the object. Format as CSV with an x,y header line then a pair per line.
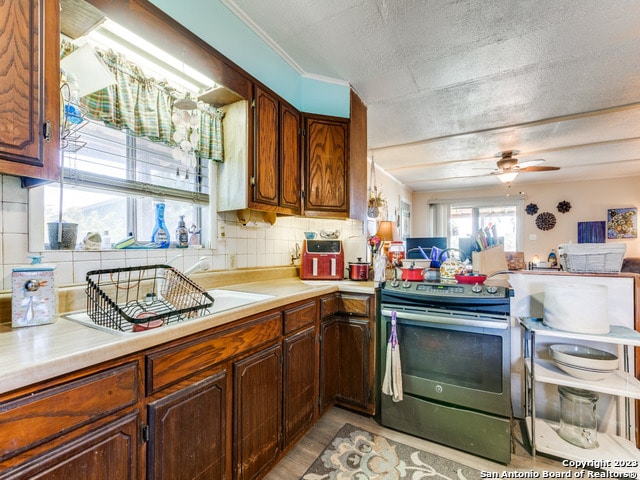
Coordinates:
x,y
455,358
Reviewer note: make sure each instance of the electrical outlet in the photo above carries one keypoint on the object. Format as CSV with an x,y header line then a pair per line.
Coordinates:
x,y
233,261
533,236
221,230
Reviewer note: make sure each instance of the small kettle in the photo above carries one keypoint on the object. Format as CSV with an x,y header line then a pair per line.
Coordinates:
x,y
450,266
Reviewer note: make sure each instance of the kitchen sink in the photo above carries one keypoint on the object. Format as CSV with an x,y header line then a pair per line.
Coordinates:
x,y
223,300
228,299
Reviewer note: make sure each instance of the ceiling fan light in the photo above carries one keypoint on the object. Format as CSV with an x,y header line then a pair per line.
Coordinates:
x,y
507,177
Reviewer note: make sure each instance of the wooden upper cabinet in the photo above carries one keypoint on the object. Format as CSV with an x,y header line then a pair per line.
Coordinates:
x,y
277,169
358,169
29,88
290,159
326,167
267,165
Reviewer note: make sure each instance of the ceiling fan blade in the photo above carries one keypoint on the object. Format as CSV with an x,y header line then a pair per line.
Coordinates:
x,y
537,169
530,163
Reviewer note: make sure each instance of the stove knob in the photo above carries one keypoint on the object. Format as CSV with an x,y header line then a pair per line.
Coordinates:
x,y
492,289
406,284
476,288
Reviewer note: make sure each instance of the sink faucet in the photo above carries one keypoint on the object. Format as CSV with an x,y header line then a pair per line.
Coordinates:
x,y
200,266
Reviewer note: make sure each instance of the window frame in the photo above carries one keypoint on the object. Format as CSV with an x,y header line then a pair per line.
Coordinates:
x,y
477,203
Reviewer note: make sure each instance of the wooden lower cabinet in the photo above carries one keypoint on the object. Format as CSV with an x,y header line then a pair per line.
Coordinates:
x,y
109,451
187,432
257,412
86,425
224,404
299,389
347,352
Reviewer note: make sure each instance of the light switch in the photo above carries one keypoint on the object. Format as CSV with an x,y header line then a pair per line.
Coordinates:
x,y
533,236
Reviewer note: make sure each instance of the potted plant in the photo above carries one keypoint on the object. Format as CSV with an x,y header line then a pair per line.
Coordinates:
x,y
376,202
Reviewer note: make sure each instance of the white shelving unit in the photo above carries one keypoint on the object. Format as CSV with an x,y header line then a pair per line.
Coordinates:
x,y
616,453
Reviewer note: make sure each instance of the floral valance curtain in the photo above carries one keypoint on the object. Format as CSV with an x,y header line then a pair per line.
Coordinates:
x,y
144,106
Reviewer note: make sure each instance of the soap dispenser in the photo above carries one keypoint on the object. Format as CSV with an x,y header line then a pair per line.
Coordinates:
x,y
182,234
34,298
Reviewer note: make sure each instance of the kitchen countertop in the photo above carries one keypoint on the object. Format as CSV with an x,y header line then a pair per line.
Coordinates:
x,y
32,354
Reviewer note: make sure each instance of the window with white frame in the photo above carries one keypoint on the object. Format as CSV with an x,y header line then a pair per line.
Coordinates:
x,y
112,183
472,224
138,140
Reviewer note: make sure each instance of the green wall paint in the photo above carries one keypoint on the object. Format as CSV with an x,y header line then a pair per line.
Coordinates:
x,y
218,26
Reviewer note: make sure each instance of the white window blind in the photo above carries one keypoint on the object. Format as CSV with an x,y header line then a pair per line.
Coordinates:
x,y
108,159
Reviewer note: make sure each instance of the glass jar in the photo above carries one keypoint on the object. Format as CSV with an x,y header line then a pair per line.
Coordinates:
x,y
396,253
578,419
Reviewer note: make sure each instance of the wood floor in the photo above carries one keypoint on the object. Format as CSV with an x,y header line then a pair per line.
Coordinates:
x,y
305,452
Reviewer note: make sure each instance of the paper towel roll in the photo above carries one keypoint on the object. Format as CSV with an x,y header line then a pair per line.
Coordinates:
x,y
576,308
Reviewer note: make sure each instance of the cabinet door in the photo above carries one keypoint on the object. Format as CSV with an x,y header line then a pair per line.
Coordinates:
x,y
266,171
329,362
345,363
110,451
187,432
29,88
326,167
257,412
299,382
290,160
354,342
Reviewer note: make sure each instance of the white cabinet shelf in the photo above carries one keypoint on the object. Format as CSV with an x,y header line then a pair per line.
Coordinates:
x,y
619,383
617,453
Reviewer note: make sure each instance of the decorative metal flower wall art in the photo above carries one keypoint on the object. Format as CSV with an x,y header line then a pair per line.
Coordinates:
x,y
546,221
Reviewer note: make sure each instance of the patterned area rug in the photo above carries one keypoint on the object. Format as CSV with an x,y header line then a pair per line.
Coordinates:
x,y
355,454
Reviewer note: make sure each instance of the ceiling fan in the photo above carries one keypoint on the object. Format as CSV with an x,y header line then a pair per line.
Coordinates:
x,y
509,168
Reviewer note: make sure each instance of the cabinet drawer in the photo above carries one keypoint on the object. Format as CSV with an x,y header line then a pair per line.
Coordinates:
x,y
42,416
329,305
299,317
357,305
170,365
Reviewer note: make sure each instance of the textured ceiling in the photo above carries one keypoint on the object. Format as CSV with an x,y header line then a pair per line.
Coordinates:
x,y
449,84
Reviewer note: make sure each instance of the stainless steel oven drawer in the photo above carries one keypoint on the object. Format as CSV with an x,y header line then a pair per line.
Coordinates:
x,y
478,433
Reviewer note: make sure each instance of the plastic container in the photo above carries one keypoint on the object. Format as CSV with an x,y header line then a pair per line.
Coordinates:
x,y
106,241
160,234
578,419
182,234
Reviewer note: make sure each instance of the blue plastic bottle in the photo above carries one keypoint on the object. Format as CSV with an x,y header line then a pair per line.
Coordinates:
x,y
160,234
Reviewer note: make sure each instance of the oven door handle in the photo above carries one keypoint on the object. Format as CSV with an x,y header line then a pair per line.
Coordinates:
x,y
426,317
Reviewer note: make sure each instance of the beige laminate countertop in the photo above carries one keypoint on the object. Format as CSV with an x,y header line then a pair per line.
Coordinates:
x,y
30,355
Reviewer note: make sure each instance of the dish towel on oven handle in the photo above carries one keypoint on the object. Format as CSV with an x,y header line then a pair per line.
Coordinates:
x,y
392,382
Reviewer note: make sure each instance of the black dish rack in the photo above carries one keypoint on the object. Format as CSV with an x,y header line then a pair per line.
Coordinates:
x,y
119,298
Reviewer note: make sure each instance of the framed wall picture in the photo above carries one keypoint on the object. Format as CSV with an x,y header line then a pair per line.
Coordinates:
x,y
622,223
592,232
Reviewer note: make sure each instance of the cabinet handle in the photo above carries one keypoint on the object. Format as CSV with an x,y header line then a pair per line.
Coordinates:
x,y
46,130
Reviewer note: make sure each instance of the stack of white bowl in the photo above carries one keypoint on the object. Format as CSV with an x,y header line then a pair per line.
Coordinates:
x,y
586,363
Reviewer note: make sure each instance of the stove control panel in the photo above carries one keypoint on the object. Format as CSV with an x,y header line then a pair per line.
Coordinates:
x,y
448,289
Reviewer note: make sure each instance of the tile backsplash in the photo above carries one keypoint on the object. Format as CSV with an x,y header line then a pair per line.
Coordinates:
x,y
240,247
